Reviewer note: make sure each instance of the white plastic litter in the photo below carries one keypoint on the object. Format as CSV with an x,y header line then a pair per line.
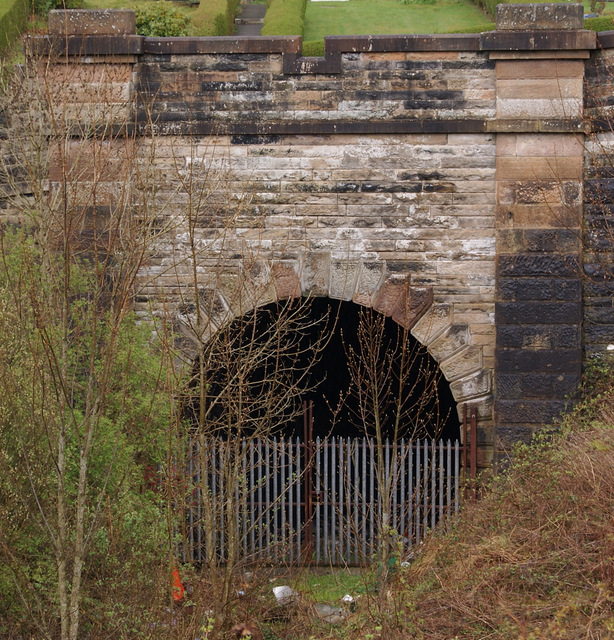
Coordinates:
x,y
285,595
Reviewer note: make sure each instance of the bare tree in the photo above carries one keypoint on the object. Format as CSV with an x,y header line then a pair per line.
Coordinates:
x,y
395,391
251,368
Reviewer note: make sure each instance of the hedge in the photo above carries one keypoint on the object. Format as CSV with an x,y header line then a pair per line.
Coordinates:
x,y
489,6
603,23
224,23
284,18
13,20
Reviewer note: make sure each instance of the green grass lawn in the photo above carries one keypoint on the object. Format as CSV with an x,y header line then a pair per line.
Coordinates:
x,y
330,586
351,17
389,17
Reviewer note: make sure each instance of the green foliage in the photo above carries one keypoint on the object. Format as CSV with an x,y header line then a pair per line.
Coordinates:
x,y
603,23
43,7
313,48
284,18
489,6
13,20
224,23
161,19
596,7
220,24
129,423
535,552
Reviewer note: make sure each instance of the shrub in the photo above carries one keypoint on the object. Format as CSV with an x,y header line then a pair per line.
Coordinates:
x,y
161,19
43,7
489,6
284,18
599,24
224,23
13,20
313,48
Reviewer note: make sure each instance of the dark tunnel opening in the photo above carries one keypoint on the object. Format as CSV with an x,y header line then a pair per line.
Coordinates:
x,y
328,337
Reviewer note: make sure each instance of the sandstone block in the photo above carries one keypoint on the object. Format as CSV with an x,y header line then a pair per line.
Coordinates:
x,y
97,22
369,279
343,279
435,321
450,342
413,306
286,281
539,109
473,386
315,274
551,68
462,364
538,216
516,17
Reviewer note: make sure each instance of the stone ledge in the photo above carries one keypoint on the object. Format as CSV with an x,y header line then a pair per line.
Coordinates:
x,y
223,44
180,125
380,44
535,40
101,45
541,125
98,22
605,39
548,15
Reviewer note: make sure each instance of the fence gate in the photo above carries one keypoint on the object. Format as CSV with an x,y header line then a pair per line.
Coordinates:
x,y
295,501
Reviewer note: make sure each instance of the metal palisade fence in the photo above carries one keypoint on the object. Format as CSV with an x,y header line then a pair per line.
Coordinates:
x,y
287,501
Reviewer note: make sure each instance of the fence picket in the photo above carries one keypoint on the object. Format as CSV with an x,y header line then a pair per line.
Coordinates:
x,y
272,496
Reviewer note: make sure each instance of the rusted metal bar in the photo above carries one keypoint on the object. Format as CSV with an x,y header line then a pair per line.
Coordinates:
x,y
473,441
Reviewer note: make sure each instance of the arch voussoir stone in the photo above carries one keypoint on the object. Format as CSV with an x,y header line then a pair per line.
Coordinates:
x,y
343,279
466,361
450,342
433,323
286,280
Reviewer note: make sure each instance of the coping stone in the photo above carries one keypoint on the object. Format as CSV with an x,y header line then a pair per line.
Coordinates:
x,y
551,15
92,22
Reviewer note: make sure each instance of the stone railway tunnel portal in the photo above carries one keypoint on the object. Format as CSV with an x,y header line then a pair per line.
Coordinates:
x,y
434,179
355,367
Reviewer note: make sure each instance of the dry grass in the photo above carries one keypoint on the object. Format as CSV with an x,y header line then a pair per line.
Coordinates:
x,y
534,557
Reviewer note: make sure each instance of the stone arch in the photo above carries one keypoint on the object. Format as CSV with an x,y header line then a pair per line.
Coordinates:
x,y
385,287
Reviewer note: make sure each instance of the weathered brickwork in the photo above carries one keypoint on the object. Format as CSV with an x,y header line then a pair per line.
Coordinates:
x,y
437,179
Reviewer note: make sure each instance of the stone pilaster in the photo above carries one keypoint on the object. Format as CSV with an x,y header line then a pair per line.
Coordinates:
x,y
538,312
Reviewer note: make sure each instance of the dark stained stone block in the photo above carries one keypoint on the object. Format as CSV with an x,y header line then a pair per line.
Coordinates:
x,y
558,361
507,435
567,289
538,312
525,288
529,411
531,265
508,386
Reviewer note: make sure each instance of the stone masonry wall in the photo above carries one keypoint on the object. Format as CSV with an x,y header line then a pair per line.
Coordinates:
x,y
437,179
598,205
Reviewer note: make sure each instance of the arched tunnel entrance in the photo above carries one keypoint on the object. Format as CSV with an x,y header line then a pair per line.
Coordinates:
x,y
319,417
342,357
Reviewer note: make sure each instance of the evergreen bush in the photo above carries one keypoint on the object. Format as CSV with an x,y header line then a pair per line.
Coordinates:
x,y
13,20
161,19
